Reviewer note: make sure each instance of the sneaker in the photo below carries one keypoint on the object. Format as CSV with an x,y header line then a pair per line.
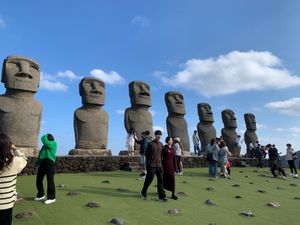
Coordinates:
x,y
291,174
39,198
181,173
144,177
296,175
142,174
164,199
49,201
144,197
284,177
174,197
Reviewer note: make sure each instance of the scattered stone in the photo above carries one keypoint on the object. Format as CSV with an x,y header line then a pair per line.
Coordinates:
x,y
73,193
279,188
236,185
261,191
238,196
251,183
297,198
185,182
117,221
209,202
61,185
211,179
293,185
210,189
106,182
181,193
255,171
274,204
247,213
212,224
176,211
246,176
93,205
19,200
241,171
23,215
262,175
269,180
123,189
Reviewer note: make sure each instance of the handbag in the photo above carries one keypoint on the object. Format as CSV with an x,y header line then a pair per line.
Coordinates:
x,y
295,156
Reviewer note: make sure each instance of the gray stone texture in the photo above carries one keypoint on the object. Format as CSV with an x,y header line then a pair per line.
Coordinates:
x,y
137,117
250,134
20,113
228,132
90,120
176,124
206,130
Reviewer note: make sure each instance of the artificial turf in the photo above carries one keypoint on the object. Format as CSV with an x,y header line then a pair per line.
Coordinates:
x,y
126,204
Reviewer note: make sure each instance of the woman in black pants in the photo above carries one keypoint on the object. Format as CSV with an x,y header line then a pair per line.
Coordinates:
x,y
290,158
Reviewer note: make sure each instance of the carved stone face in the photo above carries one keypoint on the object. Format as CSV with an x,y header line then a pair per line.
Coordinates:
x,y
92,91
20,73
229,119
139,93
175,103
250,121
205,113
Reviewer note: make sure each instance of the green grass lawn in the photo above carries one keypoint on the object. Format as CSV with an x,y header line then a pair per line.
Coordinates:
x,y
71,210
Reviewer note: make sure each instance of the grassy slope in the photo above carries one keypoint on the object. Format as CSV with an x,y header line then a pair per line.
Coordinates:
x,y
71,210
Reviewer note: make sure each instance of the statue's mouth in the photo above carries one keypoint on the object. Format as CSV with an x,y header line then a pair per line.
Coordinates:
x,y
95,92
144,95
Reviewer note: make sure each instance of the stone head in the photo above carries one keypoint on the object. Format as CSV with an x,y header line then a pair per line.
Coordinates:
x,y
175,102
250,121
229,119
139,93
92,91
205,113
20,73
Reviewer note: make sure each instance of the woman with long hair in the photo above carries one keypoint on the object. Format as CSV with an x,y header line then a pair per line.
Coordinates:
x,y
12,162
169,162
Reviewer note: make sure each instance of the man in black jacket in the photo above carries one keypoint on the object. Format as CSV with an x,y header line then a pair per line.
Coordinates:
x,y
154,167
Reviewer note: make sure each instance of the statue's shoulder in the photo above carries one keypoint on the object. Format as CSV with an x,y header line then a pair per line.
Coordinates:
x,y
7,104
80,112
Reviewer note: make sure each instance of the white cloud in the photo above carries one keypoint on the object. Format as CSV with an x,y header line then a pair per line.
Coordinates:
x,y
140,20
111,78
261,126
237,71
290,106
2,23
68,74
289,130
120,111
156,127
49,83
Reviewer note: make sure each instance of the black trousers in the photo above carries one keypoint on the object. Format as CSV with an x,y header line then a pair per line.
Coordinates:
x,y
277,167
6,216
47,168
151,172
259,162
292,166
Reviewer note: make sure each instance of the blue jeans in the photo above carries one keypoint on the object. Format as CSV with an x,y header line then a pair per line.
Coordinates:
x,y
212,168
197,149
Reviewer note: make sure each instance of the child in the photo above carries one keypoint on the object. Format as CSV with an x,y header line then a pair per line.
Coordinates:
x,y
228,165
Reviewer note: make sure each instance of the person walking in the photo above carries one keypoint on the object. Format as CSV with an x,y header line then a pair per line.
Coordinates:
x,y
212,150
291,161
196,142
46,166
154,167
169,162
131,137
12,162
146,139
223,158
276,164
178,153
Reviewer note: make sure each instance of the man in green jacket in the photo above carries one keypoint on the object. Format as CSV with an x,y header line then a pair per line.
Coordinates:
x,y
46,166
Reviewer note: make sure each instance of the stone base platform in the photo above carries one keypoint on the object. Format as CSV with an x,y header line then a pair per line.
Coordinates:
x,y
98,152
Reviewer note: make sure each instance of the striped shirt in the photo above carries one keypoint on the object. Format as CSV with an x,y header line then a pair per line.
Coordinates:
x,y
8,179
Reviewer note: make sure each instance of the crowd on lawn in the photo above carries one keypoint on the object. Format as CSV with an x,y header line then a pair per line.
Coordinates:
x,y
162,161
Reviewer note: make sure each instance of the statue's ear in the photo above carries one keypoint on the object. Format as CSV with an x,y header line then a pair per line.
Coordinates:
x,y
3,77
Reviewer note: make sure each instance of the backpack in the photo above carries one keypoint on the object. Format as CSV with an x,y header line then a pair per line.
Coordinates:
x,y
209,157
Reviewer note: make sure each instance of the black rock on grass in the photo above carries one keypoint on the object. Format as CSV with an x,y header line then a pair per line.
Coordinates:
x,y
293,185
23,215
210,202
73,193
236,185
261,191
117,221
123,189
106,182
247,213
297,198
93,205
238,196
210,189
62,185
185,182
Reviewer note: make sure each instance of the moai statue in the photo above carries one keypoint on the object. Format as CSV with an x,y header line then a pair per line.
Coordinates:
x,y
176,124
90,120
206,130
137,117
20,113
228,132
250,134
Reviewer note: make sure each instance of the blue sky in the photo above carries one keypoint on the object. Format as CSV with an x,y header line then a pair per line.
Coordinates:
x,y
242,55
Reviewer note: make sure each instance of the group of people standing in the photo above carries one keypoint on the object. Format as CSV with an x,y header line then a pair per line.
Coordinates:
x,y
161,162
12,162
